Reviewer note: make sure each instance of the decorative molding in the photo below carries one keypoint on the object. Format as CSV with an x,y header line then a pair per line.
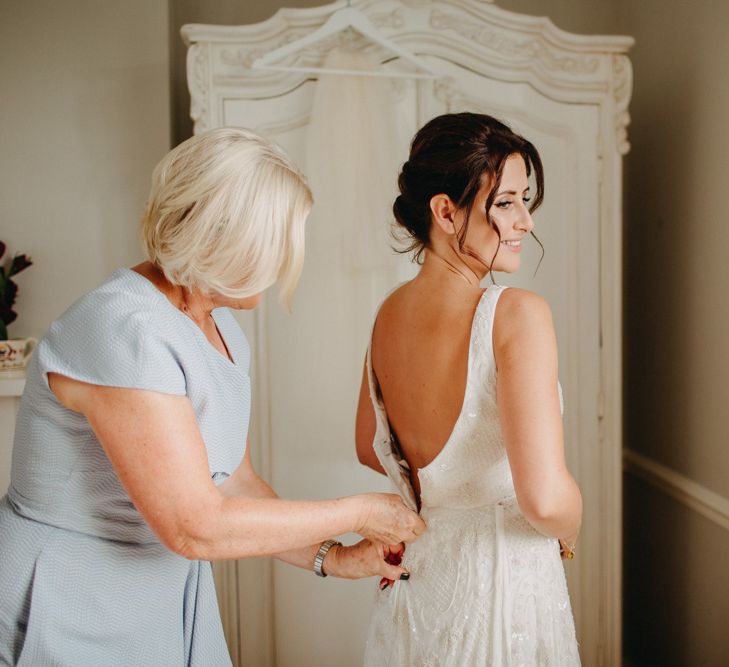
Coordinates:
x,y
446,91
393,19
510,47
198,81
697,497
622,91
244,57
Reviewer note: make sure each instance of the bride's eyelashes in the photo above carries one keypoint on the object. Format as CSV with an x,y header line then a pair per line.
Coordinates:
x,y
507,202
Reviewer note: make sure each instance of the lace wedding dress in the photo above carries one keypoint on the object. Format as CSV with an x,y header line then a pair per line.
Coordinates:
x,y
485,588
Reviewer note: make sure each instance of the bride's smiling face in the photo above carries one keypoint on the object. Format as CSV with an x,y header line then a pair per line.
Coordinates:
x,y
509,212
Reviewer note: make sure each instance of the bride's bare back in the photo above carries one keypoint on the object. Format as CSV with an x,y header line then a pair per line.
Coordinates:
x,y
420,358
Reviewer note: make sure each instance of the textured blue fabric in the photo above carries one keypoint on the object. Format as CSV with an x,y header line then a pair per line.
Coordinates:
x,y
83,580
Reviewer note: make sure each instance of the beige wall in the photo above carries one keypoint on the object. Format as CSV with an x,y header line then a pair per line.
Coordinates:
x,y
84,112
677,328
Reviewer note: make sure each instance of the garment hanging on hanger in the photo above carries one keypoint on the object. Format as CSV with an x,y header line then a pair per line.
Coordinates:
x,y
342,19
353,152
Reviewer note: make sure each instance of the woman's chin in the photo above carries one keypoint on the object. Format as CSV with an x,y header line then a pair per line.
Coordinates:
x,y
250,303
511,267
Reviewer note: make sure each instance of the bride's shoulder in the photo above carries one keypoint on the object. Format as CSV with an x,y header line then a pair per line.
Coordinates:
x,y
394,299
517,298
522,316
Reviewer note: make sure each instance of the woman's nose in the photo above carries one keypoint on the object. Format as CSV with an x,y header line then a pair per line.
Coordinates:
x,y
525,222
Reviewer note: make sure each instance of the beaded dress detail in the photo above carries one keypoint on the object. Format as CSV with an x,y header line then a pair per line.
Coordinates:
x,y
486,588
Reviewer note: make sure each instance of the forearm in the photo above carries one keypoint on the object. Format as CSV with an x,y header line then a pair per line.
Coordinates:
x,y
255,487
240,527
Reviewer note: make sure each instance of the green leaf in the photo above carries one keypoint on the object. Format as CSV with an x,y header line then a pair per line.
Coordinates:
x,y
3,331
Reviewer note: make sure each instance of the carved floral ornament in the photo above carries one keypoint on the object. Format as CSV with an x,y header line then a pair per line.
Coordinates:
x,y
197,76
622,86
514,48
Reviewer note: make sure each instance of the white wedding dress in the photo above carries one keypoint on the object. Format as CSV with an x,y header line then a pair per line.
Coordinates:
x,y
485,588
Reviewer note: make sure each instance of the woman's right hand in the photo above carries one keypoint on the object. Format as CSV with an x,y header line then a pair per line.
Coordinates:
x,y
384,518
366,559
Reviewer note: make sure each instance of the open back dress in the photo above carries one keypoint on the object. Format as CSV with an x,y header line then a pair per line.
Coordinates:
x,y
486,588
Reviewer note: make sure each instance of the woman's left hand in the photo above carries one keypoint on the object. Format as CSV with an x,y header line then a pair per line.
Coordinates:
x,y
365,559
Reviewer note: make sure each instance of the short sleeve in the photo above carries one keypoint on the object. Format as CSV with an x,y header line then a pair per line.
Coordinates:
x,y
113,340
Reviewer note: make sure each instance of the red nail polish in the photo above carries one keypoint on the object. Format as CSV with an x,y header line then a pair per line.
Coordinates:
x,y
393,559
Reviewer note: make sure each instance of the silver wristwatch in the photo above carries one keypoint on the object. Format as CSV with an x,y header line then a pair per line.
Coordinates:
x,y
321,554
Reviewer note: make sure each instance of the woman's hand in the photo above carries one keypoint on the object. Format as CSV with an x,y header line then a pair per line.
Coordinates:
x,y
385,518
365,559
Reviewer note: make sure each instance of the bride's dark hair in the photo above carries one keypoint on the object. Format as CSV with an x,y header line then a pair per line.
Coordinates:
x,y
451,154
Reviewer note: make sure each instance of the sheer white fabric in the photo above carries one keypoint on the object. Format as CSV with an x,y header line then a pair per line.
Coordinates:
x,y
486,588
353,151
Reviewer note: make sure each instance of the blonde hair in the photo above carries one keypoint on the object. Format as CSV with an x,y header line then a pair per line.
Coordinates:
x,y
226,215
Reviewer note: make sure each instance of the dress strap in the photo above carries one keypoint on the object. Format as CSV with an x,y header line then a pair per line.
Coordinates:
x,y
482,353
481,361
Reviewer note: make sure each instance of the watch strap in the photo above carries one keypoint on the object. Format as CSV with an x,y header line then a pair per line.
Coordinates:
x,y
321,555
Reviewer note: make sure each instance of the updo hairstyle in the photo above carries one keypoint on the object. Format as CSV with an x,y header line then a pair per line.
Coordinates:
x,y
452,154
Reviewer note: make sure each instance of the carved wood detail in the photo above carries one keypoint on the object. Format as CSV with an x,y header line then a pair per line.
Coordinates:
x,y
622,90
534,49
198,82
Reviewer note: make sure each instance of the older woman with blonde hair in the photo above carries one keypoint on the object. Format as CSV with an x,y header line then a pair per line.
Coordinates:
x,y
131,466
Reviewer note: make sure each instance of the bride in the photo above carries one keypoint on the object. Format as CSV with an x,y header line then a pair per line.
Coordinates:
x,y
460,407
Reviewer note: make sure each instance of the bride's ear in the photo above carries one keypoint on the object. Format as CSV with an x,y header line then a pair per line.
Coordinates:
x,y
444,212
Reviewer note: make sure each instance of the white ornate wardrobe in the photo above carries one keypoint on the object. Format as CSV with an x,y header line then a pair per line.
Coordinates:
x,y
567,93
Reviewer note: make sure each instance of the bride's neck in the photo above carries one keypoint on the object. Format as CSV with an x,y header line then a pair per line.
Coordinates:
x,y
449,267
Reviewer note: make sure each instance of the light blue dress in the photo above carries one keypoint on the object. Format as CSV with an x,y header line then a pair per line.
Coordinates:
x,y
83,580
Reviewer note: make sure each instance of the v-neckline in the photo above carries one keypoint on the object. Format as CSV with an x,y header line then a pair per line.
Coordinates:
x,y
202,338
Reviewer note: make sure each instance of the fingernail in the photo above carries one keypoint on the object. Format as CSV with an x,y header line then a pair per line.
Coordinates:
x,y
384,586
405,576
